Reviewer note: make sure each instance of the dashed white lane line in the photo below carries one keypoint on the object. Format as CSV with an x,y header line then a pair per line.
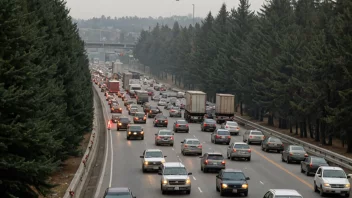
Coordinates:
x,y
194,136
194,178
200,190
261,182
173,149
209,148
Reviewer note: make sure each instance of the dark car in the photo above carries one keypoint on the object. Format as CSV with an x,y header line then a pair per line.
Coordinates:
x,y
157,88
232,181
153,112
135,132
208,125
146,107
103,89
116,109
123,123
311,164
115,118
118,192
140,117
272,143
181,125
160,120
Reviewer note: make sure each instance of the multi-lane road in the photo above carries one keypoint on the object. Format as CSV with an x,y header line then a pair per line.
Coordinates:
x,y
122,164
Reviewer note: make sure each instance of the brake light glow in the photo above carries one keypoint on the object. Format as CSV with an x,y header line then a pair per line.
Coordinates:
x,y
156,120
306,155
205,124
234,150
223,162
227,126
150,111
206,162
311,165
238,128
158,137
249,150
136,118
229,136
217,136
177,125
186,145
250,137
200,146
291,153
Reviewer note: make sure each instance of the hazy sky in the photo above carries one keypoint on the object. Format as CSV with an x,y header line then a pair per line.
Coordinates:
x,y
85,9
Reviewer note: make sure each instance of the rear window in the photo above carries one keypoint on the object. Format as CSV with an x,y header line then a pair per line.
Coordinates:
x,y
232,124
210,121
140,114
181,122
256,133
135,128
297,148
165,133
192,142
288,196
223,132
318,160
275,140
215,157
241,146
124,119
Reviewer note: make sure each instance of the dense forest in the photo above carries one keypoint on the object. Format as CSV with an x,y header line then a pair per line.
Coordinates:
x,y
290,61
46,102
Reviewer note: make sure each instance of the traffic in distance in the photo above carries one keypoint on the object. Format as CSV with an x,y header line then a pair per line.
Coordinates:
x,y
165,141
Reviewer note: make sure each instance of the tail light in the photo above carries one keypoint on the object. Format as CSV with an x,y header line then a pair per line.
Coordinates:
x,y
268,142
200,146
165,120
112,108
172,137
205,124
249,150
136,118
217,136
291,153
311,165
186,125
156,120
185,145
150,111
306,155
120,108
227,126
206,162
234,150
223,162
238,128
250,137
177,125
158,138
229,137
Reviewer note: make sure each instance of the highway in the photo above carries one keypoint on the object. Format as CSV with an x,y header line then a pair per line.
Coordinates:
x,y
123,165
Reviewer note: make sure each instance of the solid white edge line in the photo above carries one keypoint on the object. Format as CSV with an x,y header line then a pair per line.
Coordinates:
x,y
200,190
112,159
106,156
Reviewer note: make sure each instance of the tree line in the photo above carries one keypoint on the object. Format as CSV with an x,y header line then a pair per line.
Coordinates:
x,y
290,61
46,103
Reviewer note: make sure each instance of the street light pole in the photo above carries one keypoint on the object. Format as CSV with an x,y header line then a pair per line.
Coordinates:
x,y
193,13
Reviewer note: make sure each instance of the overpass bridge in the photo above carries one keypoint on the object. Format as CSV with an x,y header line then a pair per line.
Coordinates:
x,y
109,46
103,50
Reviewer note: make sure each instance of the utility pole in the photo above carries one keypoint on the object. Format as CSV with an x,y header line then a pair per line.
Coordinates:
x,y
193,13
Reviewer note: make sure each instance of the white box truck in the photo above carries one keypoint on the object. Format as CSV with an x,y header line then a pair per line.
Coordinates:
x,y
195,106
224,107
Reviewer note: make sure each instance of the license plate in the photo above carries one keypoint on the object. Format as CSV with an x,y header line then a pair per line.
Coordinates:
x,y
337,191
177,188
243,152
234,190
222,137
156,168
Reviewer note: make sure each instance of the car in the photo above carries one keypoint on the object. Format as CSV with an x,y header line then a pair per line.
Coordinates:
x,y
212,161
253,136
191,146
181,125
133,110
114,102
153,111
220,136
232,181
163,95
144,83
168,106
174,177
175,112
128,102
162,88
239,150
115,118
272,143
164,137
293,153
118,192
162,102
332,180
133,105
156,87
277,193
140,117
173,101
156,98
150,93
152,159
134,132
312,163
208,125
146,107
160,120
123,123
232,127
116,109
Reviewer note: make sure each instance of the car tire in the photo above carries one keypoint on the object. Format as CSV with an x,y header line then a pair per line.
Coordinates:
x,y
315,187
142,138
171,144
128,138
249,159
217,188
282,158
321,192
288,160
245,194
143,169
188,192
187,131
347,195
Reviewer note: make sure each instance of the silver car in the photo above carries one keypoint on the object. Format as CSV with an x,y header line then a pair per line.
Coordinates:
x,y
133,111
239,150
212,161
152,159
162,102
164,137
221,136
175,112
232,127
253,136
191,146
174,177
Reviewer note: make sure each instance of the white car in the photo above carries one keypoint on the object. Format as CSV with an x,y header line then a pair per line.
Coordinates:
x,y
162,102
332,180
152,159
232,127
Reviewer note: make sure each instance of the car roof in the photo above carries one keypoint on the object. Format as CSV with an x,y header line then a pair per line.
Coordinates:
x,y
331,168
118,189
231,122
255,130
240,143
214,153
164,130
232,170
173,164
153,150
285,192
140,112
191,139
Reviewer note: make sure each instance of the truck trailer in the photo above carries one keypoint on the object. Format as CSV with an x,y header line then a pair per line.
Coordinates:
x,y
126,81
142,96
195,106
224,107
113,86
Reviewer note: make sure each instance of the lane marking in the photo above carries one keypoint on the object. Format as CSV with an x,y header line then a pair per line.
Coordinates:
x,y
173,149
194,136
284,169
209,148
194,178
145,144
200,190
261,182
112,159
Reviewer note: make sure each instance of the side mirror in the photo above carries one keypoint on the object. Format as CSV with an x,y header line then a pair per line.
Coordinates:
x,y
159,173
141,156
189,173
217,176
165,156
247,178
348,176
156,134
318,175
182,142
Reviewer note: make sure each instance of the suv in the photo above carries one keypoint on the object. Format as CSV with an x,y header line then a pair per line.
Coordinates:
x,y
239,150
134,131
331,180
274,193
152,159
212,161
232,181
122,123
146,107
174,177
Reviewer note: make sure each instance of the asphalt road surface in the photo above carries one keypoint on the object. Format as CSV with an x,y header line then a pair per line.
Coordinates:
x,y
123,165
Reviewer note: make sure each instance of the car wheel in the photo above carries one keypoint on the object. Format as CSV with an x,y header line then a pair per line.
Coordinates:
x,y
128,137
282,158
187,131
228,156
143,169
307,172
347,195
142,138
321,192
302,171
171,144
249,159
188,192
288,160
315,188
245,194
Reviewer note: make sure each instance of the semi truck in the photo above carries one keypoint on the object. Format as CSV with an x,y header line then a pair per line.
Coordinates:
x,y
142,96
114,86
126,81
224,107
133,88
195,106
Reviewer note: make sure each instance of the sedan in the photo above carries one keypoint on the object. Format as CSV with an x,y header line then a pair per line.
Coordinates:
x,y
162,102
116,109
208,125
118,192
164,137
232,127
239,150
140,117
221,136
191,146
311,164
160,120
293,153
272,143
175,112
181,125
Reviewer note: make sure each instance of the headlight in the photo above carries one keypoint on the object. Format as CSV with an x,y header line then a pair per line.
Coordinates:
x,y
120,124
163,161
327,185
142,132
164,181
224,185
244,185
347,185
188,181
145,163
129,132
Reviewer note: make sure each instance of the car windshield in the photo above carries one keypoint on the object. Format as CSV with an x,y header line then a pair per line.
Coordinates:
x,y
297,148
334,174
153,154
215,157
233,176
223,132
232,124
192,142
318,160
124,120
181,122
256,133
241,146
140,114
135,128
210,121
275,140
175,171
165,133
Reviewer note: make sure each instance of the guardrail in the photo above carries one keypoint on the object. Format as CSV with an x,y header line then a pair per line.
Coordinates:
x,y
76,185
335,158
